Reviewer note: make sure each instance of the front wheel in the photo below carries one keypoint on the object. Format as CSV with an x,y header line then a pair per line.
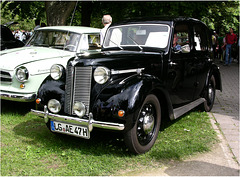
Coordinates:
x,y
143,135
209,95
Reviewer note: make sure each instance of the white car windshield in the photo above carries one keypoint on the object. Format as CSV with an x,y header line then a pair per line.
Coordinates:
x,y
140,35
56,39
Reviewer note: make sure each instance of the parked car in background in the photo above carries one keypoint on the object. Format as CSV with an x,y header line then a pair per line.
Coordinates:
x,y
24,69
148,70
7,40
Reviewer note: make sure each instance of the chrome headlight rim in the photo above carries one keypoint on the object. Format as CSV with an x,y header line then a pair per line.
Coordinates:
x,y
22,74
56,71
54,106
101,75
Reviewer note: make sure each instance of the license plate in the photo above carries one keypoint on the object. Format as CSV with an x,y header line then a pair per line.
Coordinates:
x,y
70,129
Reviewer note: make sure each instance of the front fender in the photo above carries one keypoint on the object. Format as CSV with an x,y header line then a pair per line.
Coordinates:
x,y
127,95
51,89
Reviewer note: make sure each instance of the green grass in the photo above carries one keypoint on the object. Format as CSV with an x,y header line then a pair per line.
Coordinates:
x,y
29,148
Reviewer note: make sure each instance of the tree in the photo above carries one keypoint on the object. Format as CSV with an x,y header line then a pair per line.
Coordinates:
x,y
58,12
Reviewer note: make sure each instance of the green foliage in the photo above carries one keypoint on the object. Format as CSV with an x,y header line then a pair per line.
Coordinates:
x,y
218,15
28,148
22,12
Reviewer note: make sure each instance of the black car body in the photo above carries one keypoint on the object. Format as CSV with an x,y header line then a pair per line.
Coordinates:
x,y
139,78
7,40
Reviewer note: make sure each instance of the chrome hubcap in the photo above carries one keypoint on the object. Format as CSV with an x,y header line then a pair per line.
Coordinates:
x,y
146,124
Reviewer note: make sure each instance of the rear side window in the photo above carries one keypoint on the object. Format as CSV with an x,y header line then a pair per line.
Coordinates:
x,y
200,38
181,40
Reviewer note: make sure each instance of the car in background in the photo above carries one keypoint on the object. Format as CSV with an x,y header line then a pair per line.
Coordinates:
x,y
148,70
24,69
7,40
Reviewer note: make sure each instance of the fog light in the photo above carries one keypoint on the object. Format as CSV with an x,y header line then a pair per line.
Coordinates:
x,y
79,109
54,105
121,113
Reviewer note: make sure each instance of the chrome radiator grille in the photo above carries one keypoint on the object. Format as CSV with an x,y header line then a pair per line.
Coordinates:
x,y
5,77
78,87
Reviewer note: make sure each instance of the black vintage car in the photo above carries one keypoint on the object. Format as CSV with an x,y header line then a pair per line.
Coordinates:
x,y
7,40
148,70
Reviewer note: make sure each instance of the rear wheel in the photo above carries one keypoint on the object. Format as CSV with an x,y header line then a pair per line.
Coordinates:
x,y
143,135
209,95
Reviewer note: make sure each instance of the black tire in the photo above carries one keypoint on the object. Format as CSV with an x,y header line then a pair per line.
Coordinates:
x,y
209,95
142,136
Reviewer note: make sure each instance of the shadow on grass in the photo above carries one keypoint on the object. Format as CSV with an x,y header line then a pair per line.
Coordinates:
x,y
101,142
16,107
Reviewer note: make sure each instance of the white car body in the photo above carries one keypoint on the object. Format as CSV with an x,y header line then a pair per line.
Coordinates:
x,y
38,60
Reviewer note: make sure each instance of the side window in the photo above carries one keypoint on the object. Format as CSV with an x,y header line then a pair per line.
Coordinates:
x,y
200,38
181,41
94,41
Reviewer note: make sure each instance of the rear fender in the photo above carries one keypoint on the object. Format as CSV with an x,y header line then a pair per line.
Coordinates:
x,y
215,71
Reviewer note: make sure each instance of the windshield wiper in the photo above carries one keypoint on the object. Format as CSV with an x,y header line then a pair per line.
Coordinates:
x,y
116,44
136,43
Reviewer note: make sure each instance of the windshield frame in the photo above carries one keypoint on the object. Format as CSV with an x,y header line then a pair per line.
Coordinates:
x,y
68,33
135,44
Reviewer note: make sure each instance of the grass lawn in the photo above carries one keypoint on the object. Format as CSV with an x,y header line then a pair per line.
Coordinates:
x,y
29,148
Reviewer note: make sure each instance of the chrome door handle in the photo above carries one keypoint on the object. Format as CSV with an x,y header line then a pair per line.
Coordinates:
x,y
172,64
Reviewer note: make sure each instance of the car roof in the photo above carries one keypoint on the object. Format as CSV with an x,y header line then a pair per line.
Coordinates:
x,y
156,20
75,29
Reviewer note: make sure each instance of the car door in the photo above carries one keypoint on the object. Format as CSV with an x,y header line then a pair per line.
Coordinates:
x,y
181,66
203,61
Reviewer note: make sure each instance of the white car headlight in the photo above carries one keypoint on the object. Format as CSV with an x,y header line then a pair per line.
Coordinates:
x,y
54,105
22,74
56,71
101,75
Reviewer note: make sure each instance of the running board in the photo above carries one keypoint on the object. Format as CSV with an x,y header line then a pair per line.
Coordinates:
x,y
184,109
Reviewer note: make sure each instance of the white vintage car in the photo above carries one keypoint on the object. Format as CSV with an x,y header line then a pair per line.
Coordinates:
x,y
24,69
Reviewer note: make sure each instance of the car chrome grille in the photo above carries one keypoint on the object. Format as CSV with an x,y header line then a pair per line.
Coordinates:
x,y
5,77
78,87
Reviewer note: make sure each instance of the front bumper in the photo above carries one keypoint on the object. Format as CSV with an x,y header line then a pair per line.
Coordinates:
x,y
90,122
21,97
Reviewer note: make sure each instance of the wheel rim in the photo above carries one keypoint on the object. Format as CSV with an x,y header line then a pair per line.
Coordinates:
x,y
146,124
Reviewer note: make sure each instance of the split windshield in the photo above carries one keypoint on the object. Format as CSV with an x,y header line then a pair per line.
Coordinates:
x,y
55,39
139,35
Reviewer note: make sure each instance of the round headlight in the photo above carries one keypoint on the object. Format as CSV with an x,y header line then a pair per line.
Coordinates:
x,y
79,109
56,72
22,74
101,75
54,105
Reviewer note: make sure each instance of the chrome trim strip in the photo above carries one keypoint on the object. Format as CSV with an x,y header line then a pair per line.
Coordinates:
x,y
138,70
29,97
90,122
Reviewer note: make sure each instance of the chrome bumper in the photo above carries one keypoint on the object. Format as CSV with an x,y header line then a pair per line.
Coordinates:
x,y
90,122
18,97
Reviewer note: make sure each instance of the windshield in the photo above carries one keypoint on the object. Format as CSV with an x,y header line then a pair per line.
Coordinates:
x,y
140,35
56,39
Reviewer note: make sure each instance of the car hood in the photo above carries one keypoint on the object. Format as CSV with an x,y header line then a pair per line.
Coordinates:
x,y
12,58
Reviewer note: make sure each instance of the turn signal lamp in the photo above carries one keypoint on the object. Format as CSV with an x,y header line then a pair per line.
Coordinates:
x,y
38,100
121,113
22,86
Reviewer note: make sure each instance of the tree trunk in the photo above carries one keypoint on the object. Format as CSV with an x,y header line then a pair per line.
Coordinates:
x,y
87,8
58,12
